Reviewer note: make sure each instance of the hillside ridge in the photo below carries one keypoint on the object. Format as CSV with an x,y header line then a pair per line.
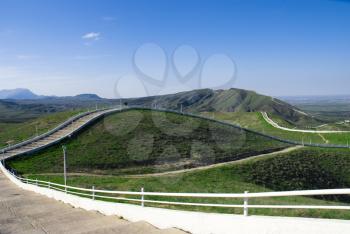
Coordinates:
x,y
231,100
194,101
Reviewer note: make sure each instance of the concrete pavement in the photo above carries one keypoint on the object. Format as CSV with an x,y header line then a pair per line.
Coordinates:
x,y
56,136
27,212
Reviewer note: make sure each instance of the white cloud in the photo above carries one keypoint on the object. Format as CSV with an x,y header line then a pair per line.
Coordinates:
x,y
93,36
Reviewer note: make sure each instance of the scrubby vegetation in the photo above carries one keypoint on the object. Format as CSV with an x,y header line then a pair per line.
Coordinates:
x,y
255,121
15,132
311,169
307,168
142,141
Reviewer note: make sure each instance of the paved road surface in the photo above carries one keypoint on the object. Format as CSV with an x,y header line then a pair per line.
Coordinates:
x,y
57,135
274,124
27,212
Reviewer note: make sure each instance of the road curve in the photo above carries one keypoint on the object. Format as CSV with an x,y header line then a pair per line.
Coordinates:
x,y
75,124
274,124
56,135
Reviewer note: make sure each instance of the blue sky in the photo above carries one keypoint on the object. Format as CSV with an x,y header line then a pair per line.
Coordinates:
x,y
279,47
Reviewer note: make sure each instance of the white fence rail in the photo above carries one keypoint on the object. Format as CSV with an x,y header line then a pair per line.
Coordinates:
x,y
109,111
104,111
109,195
121,195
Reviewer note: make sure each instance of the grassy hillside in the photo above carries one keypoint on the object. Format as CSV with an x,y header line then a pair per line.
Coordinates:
x,y
141,141
136,142
231,100
20,131
303,169
19,111
306,168
254,120
13,112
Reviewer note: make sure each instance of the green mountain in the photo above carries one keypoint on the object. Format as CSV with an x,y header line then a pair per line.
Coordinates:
x,y
203,100
232,100
14,112
144,141
18,111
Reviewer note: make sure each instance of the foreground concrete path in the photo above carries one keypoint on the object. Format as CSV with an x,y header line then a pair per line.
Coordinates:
x,y
27,212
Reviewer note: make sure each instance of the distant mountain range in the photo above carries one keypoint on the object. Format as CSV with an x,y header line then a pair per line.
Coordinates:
x,y
333,108
203,100
26,94
316,99
17,94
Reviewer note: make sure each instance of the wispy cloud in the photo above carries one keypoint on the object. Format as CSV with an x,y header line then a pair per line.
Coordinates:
x,y
90,57
7,32
92,36
10,72
108,18
26,56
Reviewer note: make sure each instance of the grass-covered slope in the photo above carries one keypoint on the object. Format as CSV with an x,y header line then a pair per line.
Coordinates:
x,y
142,141
231,100
19,111
306,168
255,121
20,131
14,113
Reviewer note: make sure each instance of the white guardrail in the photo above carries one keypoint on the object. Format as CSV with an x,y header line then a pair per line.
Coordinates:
x,y
108,195
56,129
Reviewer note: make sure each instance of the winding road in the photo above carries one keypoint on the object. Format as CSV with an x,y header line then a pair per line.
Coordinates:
x,y
56,135
274,124
28,212
23,211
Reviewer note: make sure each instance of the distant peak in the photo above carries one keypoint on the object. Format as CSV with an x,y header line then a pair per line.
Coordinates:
x,y
88,96
19,93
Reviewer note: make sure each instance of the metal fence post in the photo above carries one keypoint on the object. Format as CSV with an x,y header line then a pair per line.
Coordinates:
x,y
142,197
36,182
245,208
65,167
49,185
93,192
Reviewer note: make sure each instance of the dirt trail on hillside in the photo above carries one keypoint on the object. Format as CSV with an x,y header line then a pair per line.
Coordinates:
x,y
284,151
287,150
323,138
